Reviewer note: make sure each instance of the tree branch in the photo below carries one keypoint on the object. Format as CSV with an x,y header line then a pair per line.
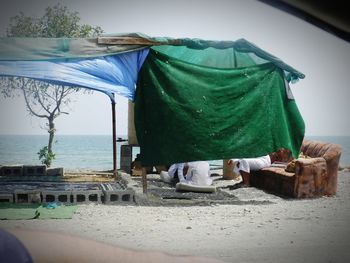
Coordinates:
x,y
30,108
39,99
59,101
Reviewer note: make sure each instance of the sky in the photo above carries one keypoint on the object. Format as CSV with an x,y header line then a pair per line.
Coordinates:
x,y
322,97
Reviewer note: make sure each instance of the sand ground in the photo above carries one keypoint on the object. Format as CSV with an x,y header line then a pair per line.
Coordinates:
x,y
278,230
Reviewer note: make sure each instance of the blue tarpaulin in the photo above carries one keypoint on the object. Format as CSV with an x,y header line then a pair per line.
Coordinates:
x,y
108,74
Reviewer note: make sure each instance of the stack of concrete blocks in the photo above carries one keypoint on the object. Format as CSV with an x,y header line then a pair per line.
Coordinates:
x,y
63,197
27,196
73,194
6,197
126,157
30,170
58,171
26,172
87,196
11,170
34,170
116,194
108,193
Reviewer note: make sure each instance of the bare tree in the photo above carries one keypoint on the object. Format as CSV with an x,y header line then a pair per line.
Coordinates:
x,y
44,100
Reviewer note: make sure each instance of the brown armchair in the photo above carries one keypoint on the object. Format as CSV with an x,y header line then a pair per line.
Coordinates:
x,y
321,171
313,177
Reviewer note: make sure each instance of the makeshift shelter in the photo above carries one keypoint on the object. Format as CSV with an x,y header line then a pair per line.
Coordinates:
x,y
195,99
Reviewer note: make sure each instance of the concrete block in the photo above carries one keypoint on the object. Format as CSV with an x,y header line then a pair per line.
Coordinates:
x,y
64,197
117,195
34,170
126,157
6,198
27,196
54,171
87,196
12,170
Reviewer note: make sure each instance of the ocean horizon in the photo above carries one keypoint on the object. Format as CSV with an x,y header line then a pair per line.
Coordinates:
x,y
95,152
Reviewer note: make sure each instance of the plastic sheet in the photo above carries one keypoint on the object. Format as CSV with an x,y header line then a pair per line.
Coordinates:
x,y
109,74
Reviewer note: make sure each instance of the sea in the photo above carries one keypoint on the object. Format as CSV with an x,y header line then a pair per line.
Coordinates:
x,y
95,152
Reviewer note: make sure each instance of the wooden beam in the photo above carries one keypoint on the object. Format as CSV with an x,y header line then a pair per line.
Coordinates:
x,y
144,180
126,41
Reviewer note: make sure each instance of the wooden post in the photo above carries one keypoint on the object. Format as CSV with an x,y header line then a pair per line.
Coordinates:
x,y
125,40
114,140
144,180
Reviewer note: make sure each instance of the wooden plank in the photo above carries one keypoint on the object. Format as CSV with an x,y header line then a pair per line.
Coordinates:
x,y
126,41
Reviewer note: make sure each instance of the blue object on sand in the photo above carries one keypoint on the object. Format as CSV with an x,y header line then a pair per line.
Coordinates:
x,y
52,205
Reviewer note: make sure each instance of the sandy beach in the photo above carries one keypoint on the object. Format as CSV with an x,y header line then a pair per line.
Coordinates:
x,y
260,228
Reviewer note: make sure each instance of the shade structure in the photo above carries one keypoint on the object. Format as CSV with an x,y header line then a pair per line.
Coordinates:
x,y
195,99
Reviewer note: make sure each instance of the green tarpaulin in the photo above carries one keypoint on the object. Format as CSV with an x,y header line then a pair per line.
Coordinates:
x,y
193,110
35,211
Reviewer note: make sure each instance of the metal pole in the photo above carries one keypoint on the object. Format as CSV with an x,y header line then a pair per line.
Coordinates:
x,y
114,140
